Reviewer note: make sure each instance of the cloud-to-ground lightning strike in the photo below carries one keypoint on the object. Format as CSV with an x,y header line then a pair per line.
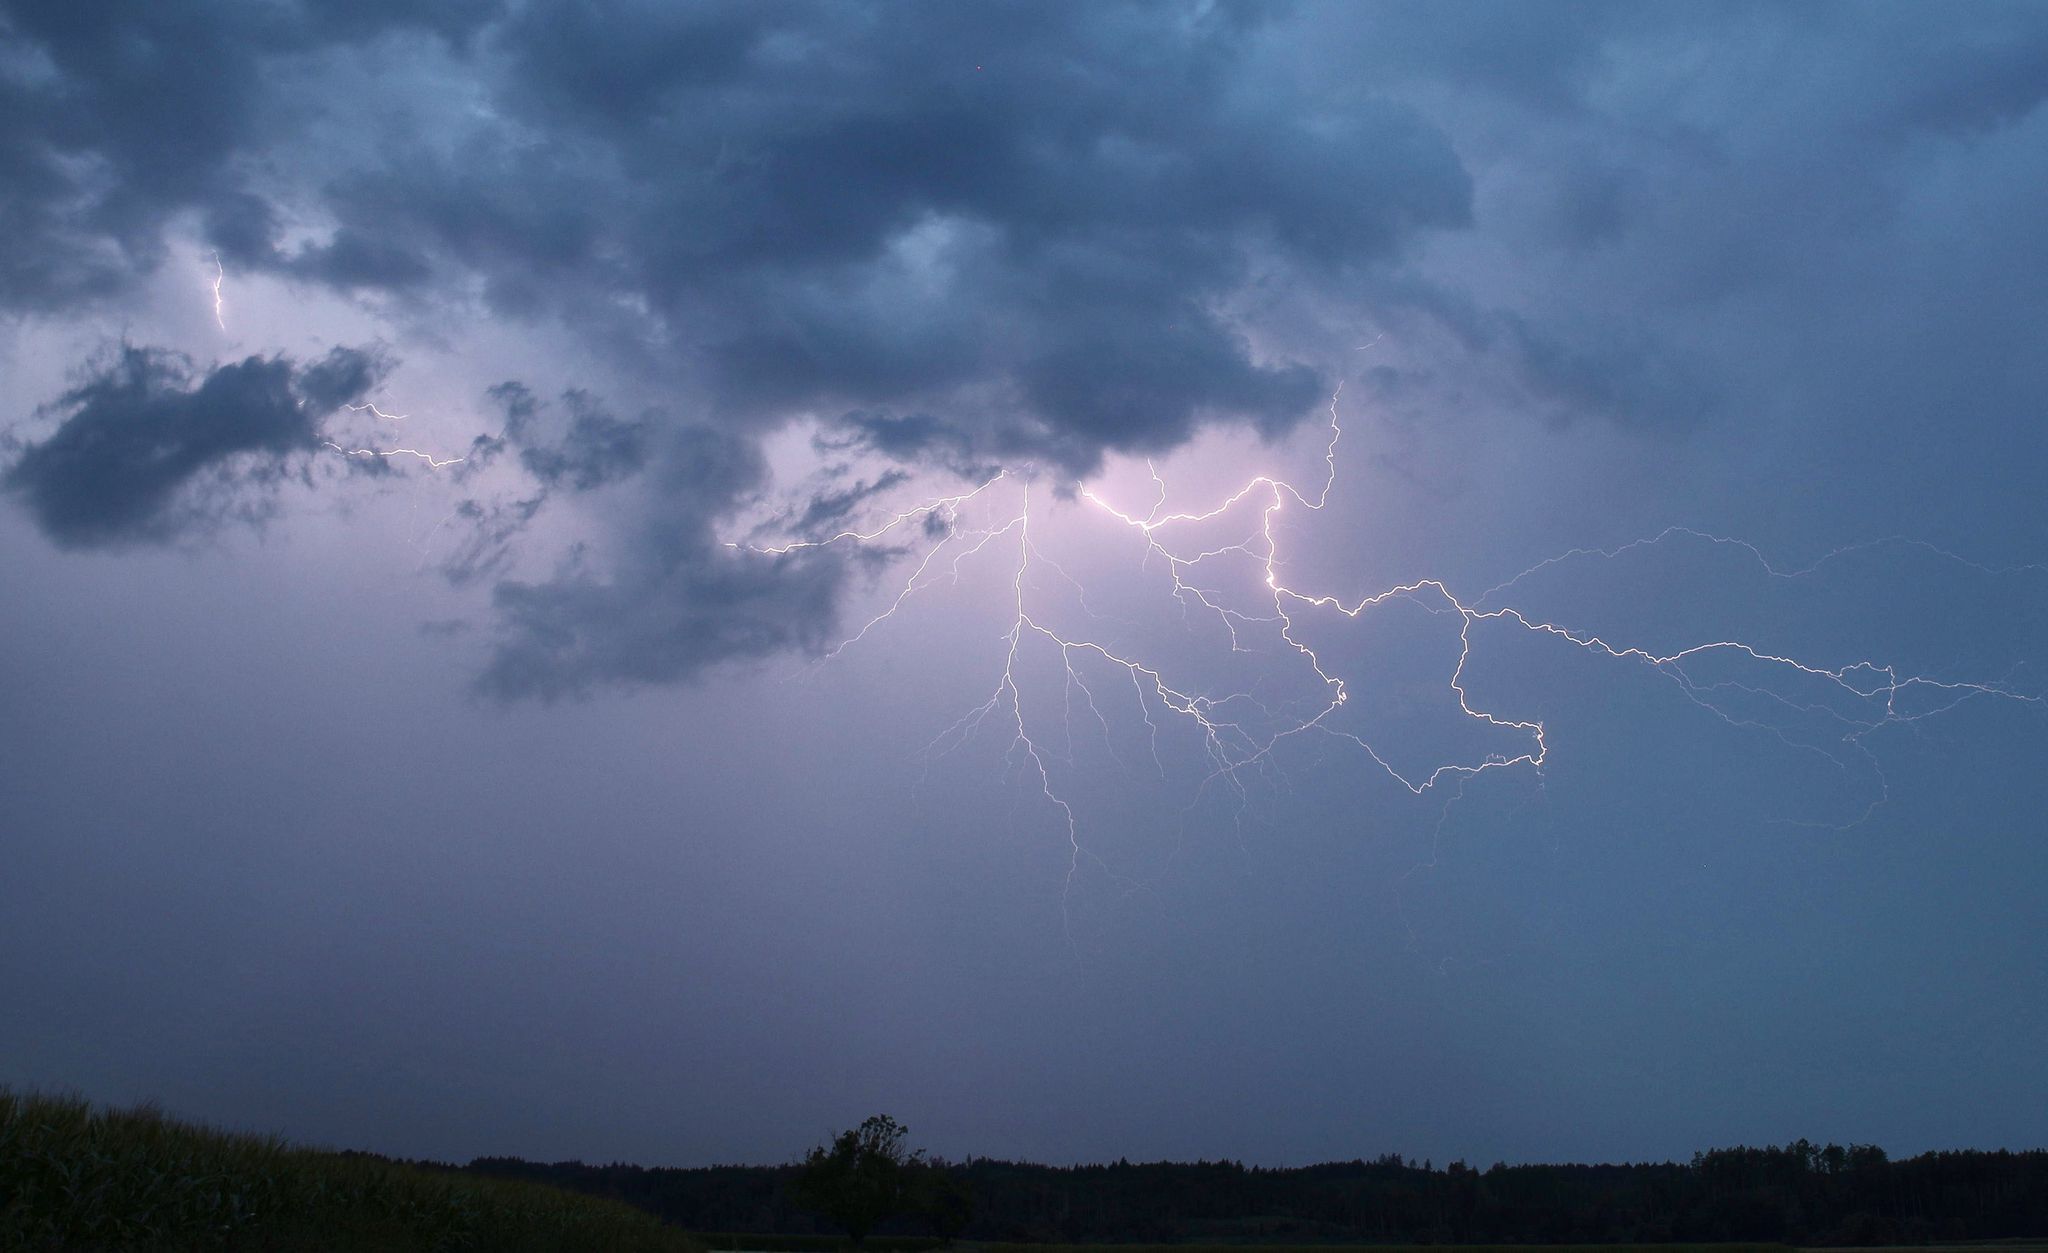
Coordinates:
x,y
1241,732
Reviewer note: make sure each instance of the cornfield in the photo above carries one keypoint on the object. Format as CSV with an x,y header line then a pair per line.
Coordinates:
x,y
76,1178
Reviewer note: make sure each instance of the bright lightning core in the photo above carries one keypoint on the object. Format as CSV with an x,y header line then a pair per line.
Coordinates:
x,y
1246,662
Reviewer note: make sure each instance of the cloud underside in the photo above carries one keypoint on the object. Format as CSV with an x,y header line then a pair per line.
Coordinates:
x,y
956,236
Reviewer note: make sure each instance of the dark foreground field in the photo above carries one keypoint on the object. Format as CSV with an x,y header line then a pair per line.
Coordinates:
x,y
1383,1248
97,1181
739,1242
76,1178
1800,1195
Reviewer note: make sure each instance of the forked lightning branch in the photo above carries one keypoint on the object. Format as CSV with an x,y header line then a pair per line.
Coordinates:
x,y
1752,688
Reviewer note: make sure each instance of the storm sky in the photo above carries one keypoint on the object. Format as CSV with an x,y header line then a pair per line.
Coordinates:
x,y
446,450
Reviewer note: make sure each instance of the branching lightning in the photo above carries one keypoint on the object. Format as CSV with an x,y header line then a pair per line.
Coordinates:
x,y
1241,730
433,462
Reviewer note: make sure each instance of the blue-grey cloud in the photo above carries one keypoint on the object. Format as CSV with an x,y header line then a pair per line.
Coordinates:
x,y
145,451
1025,223
965,236
677,602
831,507
119,120
1024,219
588,451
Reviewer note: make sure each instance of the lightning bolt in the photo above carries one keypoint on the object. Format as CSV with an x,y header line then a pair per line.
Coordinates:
x,y
433,462
1241,732
220,276
375,412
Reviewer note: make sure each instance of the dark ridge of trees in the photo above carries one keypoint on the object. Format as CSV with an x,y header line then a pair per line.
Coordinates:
x,y
1799,1194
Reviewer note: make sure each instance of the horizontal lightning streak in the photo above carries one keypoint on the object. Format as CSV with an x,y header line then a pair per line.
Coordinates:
x,y
371,408
375,412
431,460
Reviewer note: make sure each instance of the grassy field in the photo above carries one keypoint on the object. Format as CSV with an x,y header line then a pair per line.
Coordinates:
x,y
74,1178
85,1180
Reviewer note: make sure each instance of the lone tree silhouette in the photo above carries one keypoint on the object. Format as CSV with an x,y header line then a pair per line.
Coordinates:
x,y
862,1177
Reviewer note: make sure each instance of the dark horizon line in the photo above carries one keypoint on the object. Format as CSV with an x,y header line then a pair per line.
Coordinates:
x,y
1389,1160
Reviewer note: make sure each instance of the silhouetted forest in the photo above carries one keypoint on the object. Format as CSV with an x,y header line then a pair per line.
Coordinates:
x,y
1799,1194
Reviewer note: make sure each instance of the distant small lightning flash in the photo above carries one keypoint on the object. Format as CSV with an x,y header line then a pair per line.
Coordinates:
x,y
220,275
1241,732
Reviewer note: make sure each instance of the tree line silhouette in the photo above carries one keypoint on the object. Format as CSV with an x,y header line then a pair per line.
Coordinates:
x,y
1799,1194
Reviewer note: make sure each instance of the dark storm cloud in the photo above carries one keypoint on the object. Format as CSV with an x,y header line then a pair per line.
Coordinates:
x,y
143,453
591,449
1025,223
678,602
905,437
669,599
1027,220
1021,223
115,119
587,450
1022,220
967,235
484,544
1690,214
832,506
